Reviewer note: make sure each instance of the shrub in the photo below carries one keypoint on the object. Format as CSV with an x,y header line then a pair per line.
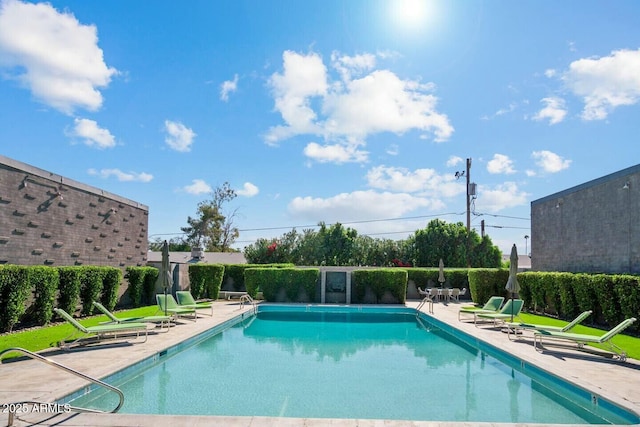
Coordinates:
x,y
487,282
141,281
110,285
14,290
380,280
205,280
271,279
151,275
44,281
90,288
69,288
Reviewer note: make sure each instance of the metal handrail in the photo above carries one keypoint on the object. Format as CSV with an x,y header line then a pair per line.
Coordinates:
x,y
71,371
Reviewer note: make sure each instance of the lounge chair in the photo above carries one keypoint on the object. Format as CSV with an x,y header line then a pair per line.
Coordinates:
x,y
510,309
492,306
582,339
162,320
516,328
168,304
100,332
185,299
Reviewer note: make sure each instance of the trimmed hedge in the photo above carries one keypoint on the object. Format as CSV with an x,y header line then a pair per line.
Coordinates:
x,y
69,288
14,291
142,282
111,280
234,274
428,277
380,281
205,280
44,281
292,281
487,282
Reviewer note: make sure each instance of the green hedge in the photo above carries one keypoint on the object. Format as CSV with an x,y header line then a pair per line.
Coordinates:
x,y
14,291
379,281
487,282
611,297
111,280
142,282
428,277
234,274
205,280
292,280
44,281
69,288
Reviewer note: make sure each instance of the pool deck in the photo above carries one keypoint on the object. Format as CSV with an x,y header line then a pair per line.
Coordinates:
x,y
32,380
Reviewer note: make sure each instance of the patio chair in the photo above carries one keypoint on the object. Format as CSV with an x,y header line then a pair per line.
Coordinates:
x,y
491,306
516,328
162,320
510,309
99,332
167,304
582,339
185,299
455,294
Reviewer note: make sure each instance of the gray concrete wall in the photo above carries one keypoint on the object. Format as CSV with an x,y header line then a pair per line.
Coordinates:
x,y
594,227
47,219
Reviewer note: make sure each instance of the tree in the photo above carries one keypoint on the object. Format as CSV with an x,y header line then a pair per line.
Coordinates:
x,y
454,245
211,228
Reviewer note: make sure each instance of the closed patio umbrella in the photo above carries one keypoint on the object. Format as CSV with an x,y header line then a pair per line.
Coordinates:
x,y
512,283
441,278
165,273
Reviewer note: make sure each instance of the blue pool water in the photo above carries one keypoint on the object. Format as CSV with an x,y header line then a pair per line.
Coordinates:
x,y
342,362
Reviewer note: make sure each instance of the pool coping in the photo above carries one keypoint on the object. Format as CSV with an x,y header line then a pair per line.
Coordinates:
x,y
604,384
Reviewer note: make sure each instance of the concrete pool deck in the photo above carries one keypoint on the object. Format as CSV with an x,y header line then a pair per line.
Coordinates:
x,y
32,380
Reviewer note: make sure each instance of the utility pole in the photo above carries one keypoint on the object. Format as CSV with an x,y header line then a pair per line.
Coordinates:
x,y
468,173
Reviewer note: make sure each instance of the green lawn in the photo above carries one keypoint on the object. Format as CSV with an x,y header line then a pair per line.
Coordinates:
x,y
47,337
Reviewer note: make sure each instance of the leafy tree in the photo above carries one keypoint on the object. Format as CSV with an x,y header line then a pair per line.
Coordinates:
x,y
211,228
456,247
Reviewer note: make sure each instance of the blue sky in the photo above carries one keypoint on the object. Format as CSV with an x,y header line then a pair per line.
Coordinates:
x,y
359,112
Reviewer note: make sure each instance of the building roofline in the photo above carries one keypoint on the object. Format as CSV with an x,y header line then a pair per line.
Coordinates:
x,y
59,179
588,184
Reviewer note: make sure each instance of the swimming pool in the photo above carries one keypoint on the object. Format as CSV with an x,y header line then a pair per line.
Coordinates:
x,y
348,362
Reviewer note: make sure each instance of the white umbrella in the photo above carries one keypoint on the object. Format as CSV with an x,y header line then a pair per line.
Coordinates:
x,y
441,278
512,284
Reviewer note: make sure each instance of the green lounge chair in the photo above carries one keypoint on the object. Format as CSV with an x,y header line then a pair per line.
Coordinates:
x,y
99,332
492,306
167,304
162,320
582,339
185,299
510,309
516,328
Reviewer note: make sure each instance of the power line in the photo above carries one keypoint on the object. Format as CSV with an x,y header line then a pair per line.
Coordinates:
x,y
502,216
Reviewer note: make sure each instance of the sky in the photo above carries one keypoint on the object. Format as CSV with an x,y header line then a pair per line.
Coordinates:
x,y
361,112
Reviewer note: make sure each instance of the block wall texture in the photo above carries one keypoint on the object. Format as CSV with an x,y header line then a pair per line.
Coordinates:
x,y
46,219
592,228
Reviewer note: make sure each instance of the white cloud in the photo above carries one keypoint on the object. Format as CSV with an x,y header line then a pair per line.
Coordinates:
x,y
179,137
554,110
248,190
358,205
53,55
334,153
228,87
426,182
121,176
454,161
92,134
348,110
350,65
550,72
605,83
500,164
197,187
393,150
550,162
506,195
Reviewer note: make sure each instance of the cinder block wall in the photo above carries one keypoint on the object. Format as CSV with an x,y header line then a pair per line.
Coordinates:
x,y
593,228
46,219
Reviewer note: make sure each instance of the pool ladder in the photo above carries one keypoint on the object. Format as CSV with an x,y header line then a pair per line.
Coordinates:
x,y
246,299
428,301
69,408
